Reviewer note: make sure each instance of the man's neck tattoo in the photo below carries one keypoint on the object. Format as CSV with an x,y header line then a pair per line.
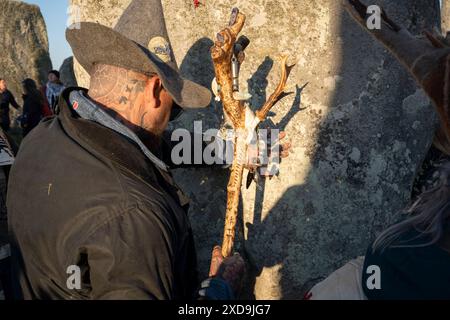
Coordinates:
x,y
119,90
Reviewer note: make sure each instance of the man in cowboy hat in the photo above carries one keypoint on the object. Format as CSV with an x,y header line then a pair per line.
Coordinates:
x,y
94,212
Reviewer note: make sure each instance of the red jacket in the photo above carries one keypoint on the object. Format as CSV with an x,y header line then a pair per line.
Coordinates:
x,y
46,110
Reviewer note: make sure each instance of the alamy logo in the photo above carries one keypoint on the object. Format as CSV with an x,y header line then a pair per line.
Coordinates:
x,y
74,17
74,279
374,280
374,21
263,147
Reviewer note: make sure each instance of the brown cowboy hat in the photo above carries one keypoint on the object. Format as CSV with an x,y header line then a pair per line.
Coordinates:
x,y
138,42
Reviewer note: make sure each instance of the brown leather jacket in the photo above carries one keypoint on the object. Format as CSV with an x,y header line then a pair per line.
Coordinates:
x,y
83,195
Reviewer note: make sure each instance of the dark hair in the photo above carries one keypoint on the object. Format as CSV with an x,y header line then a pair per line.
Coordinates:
x,y
55,72
430,216
30,90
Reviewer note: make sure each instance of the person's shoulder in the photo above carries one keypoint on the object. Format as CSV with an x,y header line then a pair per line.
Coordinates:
x,y
148,197
145,192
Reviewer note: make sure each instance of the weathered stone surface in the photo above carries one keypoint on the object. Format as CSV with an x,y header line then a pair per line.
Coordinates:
x,y
24,45
67,73
360,130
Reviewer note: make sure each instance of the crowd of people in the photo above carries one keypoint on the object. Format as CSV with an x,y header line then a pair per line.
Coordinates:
x,y
38,103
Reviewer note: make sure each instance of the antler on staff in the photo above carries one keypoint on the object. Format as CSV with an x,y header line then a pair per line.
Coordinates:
x,y
279,91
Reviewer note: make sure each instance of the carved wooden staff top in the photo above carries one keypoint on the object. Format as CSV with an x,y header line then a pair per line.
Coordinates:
x,y
243,121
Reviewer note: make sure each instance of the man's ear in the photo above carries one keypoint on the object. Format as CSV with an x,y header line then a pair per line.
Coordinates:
x,y
153,91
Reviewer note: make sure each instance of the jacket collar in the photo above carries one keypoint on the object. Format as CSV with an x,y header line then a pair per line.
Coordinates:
x,y
89,110
108,145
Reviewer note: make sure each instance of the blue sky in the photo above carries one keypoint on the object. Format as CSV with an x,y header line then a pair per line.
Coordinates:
x,y
55,15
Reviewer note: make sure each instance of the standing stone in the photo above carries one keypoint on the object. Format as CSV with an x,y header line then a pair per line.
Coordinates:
x,y
360,131
67,73
24,45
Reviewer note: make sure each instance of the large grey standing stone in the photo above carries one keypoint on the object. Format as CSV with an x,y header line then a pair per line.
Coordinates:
x,y
23,45
67,73
359,130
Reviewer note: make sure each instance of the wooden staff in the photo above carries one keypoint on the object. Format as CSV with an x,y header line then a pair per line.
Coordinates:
x,y
235,112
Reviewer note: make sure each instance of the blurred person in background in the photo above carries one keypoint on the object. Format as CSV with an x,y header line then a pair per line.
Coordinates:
x,y
51,92
33,103
6,99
